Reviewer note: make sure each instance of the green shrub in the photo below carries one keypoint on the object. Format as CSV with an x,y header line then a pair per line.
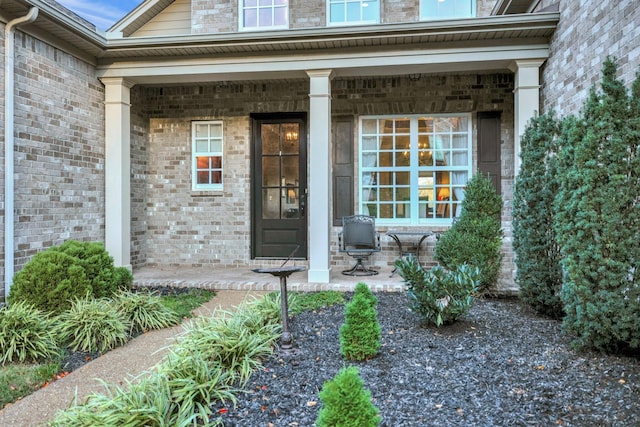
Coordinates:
x,y
539,274
98,267
360,334
55,277
346,403
144,311
475,238
92,325
26,335
598,215
50,282
438,295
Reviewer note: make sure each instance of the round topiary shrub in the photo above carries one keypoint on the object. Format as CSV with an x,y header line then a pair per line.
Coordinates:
x,y
98,266
55,277
49,282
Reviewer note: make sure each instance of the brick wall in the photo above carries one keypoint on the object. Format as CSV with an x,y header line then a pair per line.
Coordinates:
x,y
195,229
222,16
588,31
59,149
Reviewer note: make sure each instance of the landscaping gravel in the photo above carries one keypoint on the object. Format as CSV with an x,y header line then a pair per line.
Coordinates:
x,y
501,365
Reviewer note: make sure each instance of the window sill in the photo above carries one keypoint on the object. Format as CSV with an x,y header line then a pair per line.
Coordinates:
x,y
206,193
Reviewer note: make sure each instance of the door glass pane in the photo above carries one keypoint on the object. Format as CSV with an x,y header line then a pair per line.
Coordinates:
x,y
290,170
291,138
291,201
271,171
271,203
270,139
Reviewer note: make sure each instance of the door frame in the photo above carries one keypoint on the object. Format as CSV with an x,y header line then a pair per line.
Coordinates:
x,y
255,120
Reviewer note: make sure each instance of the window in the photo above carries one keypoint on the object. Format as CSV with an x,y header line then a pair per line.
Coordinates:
x,y
413,170
264,14
353,12
447,9
207,155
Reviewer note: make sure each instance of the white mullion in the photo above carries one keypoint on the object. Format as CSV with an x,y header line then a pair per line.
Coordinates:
x,y
414,171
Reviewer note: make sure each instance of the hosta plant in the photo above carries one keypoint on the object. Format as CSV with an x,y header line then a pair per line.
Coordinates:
x,y
438,295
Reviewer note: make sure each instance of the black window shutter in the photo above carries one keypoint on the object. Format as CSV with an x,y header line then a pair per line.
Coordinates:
x,y
489,147
343,167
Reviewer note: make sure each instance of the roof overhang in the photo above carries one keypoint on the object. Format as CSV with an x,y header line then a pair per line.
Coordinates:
x,y
487,43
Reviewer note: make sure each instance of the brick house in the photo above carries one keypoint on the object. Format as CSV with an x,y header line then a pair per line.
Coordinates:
x,y
235,132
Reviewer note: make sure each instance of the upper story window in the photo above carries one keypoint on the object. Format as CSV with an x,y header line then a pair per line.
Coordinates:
x,y
447,9
414,169
343,12
264,14
207,154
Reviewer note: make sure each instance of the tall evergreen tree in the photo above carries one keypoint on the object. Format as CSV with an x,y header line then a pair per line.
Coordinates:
x,y
539,275
597,217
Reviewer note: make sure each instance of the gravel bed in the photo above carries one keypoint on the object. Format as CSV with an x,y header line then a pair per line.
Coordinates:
x,y
502,365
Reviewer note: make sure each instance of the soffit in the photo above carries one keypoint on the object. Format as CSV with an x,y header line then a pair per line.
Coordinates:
x,y
527,28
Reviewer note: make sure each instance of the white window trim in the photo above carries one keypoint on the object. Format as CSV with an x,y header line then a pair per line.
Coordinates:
x,y
414,169
241,26
194,154
473,14
347,23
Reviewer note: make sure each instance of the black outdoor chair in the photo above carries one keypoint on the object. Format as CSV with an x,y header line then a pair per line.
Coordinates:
x,y
359,239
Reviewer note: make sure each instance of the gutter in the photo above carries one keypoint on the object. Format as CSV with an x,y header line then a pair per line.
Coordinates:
x,y
9,77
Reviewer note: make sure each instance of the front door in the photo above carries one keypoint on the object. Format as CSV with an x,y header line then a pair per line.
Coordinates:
x,y
279,186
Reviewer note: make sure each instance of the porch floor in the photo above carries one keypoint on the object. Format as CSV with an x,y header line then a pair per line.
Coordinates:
x,y
242,278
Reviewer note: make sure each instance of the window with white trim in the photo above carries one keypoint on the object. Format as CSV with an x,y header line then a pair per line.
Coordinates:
x,y
414,169
447,9
264,14
207,155
341,12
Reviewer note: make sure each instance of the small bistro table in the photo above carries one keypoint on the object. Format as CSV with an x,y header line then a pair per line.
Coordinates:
x,y
406,238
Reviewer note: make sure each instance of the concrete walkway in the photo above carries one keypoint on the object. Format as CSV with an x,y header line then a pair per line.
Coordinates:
x,y
126,362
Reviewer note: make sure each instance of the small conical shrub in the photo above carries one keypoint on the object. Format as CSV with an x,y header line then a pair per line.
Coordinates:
x,y
346,403
360,334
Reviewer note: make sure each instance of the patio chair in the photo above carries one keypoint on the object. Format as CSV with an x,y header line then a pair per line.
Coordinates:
x,y
359,239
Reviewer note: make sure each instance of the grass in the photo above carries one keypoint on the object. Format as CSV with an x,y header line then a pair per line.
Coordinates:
x,y
18,380
21,379
184,304
315,300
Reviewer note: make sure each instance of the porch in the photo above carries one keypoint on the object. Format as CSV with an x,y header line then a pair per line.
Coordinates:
x,y
242,278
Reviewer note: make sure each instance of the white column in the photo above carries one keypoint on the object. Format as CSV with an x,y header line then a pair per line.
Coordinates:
x,y
319,176
526,99
117,227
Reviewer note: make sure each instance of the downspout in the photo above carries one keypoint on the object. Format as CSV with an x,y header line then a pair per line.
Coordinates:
x,y
9,52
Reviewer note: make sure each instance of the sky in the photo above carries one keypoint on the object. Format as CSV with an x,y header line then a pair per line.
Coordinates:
x,y
102,13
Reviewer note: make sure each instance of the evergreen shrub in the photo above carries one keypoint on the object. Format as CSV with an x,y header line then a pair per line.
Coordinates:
x,y
360,334
475,238
597,219
346,403
539,274
439,296
53,278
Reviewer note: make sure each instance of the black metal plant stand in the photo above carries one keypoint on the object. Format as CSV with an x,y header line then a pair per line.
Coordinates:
x,y
286,340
